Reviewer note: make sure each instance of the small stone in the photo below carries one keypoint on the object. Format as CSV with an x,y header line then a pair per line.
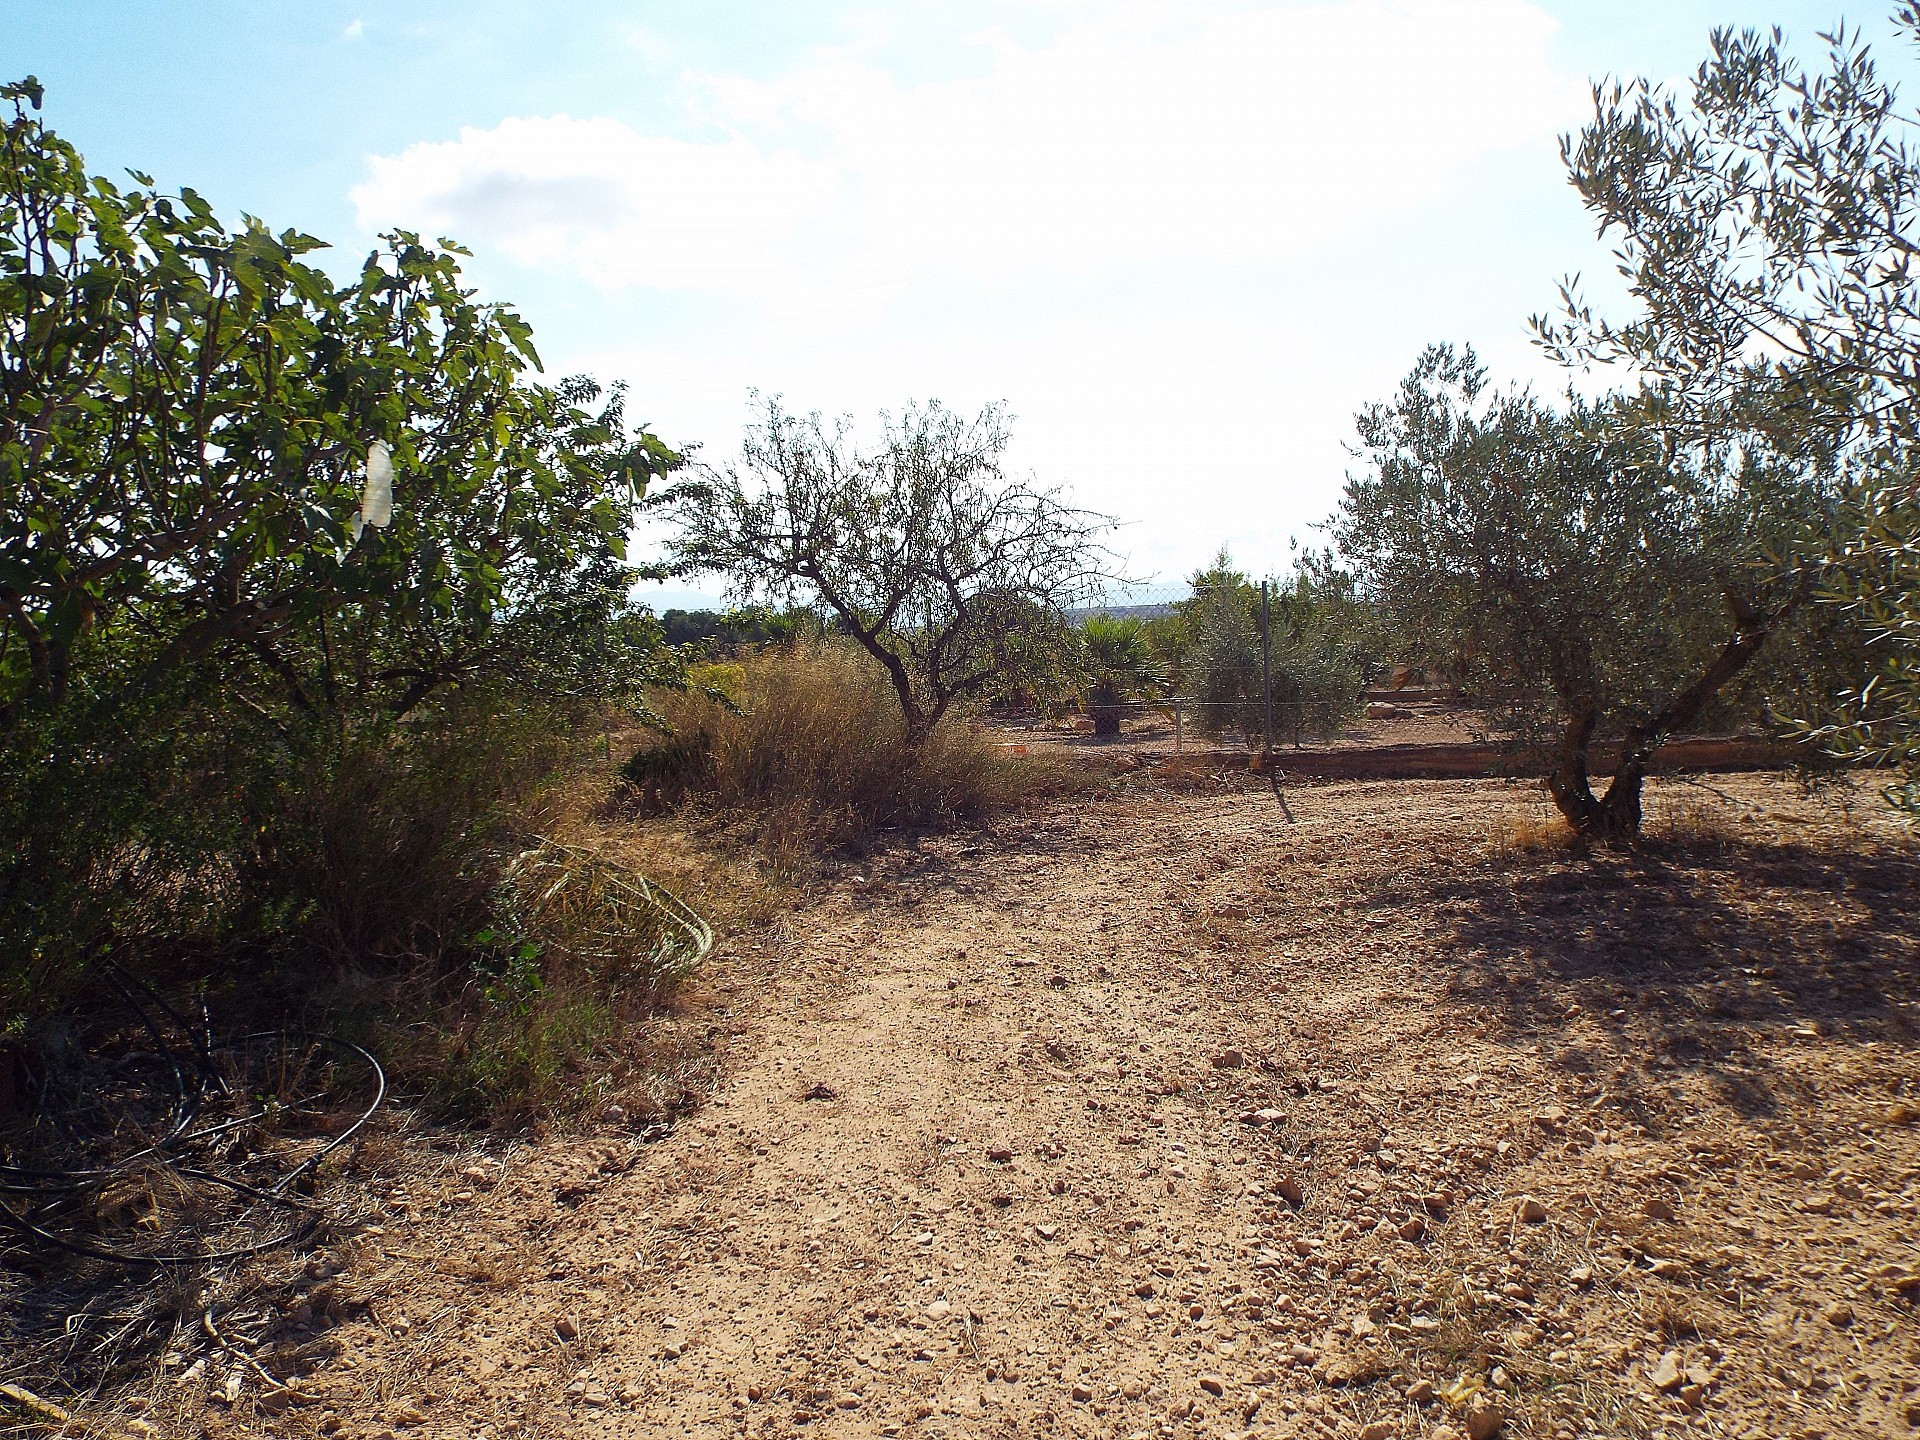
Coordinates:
x,y
1657,1208
1581,1276
1551,1119
1213,1385
1412,1228
1145,1290
1901,1113
1000,1202
1667,1375
1484,1419
566,1329
755,1393
999,1155
938,1310
1082,1392
1839,1314
1818,1203
1381,1430
1444,1432
1266,1115
848,1401
1437,1203
1532,1211
1288,1189
1420,1392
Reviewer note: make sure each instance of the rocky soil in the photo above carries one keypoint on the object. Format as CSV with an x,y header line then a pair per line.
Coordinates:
x,y
1152,1115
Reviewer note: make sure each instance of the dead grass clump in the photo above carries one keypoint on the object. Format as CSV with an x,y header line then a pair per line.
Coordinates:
x,y
812,748
1693,821
1520,832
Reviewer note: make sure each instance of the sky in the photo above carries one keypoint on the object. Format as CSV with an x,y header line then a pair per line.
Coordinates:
x,y
1183,240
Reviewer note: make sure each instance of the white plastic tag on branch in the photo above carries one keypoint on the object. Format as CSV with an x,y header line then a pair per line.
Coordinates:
x,y
376,501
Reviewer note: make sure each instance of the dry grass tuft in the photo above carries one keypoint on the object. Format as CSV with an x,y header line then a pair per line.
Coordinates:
x,y
1519,832
1692,820
812,753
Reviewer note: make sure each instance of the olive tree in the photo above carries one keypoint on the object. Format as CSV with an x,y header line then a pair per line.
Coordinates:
x,y
1598,582
951,573
1767,218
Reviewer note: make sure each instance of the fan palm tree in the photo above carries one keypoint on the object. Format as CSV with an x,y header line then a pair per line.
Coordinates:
x,y
1117,665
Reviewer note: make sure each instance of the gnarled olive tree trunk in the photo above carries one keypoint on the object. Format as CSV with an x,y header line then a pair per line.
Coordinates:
x,y
1616,815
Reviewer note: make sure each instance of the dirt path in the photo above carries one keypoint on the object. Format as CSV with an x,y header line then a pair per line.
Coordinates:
x,y
1156,1117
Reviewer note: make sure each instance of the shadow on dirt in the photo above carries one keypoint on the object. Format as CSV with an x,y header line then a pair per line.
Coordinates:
x,y
1677,958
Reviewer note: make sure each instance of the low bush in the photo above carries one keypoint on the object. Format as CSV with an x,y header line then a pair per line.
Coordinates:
x,y
809,744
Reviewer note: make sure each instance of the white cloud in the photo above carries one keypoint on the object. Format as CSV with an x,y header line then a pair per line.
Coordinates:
x,y
1147,133
1186,239
355,29
593,196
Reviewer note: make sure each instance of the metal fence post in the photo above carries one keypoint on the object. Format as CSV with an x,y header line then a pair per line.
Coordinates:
x,y
1266,664
1176,725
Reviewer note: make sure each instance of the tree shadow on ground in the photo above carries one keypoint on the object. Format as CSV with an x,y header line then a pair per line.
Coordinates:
x,y
1681,958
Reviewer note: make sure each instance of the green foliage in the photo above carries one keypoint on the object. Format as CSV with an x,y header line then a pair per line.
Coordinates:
x,y
1767,217
1590,577
717,632
219,643
1222,661
1212,648
1116,664
1874,580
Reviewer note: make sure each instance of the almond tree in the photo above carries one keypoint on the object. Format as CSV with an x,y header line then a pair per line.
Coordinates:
x,y
953,575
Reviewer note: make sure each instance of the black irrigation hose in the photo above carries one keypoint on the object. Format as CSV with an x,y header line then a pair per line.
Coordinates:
x,y
195,1074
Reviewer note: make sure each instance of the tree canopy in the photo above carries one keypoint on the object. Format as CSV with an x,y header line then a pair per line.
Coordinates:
x,y
186,419
252,515
1767,218
1594,579
951,573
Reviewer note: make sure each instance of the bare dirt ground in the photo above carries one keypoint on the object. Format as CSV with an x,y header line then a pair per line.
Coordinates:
x,y
1152,1115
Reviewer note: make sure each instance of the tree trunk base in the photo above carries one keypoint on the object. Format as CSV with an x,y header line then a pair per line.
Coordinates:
x,y
1614,817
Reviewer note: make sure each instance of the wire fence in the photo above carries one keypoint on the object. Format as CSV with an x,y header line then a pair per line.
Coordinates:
x,y
1181,722
1267,713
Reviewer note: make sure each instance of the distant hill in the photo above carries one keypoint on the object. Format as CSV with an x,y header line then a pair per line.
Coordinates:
x,y
1123,612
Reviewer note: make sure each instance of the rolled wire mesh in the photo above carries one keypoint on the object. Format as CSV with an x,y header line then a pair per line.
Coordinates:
x,y
604,915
